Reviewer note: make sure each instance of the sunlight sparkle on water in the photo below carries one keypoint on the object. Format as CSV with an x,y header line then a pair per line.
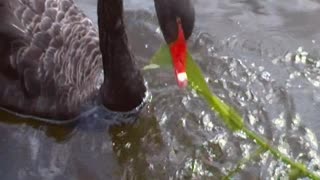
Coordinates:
x,y
279,123
208,124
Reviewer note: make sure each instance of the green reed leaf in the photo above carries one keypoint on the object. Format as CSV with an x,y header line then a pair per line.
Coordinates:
x,y
231,118
162,59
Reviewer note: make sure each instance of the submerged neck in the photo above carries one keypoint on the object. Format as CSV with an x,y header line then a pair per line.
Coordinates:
x,y
123,87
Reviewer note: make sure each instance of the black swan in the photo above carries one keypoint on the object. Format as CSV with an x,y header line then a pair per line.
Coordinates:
x,y
56,65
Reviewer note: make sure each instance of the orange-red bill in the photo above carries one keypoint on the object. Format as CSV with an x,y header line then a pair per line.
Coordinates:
x,y
178,51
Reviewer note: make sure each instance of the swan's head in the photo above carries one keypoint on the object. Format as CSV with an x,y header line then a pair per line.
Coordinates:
x,y
176,19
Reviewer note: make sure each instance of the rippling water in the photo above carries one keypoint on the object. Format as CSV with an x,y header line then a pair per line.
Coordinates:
x,y
260,56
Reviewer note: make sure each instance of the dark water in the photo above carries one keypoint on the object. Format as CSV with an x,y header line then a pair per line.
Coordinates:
x,y
260,56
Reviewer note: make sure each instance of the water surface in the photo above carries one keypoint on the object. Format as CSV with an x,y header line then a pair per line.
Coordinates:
x,y
261,57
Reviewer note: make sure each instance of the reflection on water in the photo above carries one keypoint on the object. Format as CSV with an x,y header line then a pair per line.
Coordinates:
x,y
262,57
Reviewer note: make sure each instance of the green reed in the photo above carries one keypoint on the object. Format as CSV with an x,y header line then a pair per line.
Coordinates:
x,y
229,115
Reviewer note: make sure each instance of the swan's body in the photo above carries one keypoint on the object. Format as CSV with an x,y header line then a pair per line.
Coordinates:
x,y
52,65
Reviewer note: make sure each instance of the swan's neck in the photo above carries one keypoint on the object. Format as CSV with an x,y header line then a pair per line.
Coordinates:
x,y
123,88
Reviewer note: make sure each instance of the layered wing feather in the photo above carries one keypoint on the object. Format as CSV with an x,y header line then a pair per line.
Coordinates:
x,y
50,56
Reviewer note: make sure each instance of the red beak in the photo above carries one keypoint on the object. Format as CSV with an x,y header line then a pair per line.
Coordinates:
x,y
178,51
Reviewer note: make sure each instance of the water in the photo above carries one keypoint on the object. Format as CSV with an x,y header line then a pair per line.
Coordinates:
x,y
260,56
